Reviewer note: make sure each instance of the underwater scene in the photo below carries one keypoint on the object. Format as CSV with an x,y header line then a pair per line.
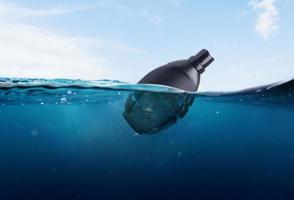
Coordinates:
x,y
88,140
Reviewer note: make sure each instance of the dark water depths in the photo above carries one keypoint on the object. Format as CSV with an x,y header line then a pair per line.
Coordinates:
x,y
66,139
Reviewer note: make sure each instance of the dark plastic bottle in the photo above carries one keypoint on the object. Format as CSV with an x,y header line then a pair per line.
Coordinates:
x,y
151,112
182,74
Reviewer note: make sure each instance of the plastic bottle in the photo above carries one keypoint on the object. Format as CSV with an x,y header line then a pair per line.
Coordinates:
x,y
182,74
151,112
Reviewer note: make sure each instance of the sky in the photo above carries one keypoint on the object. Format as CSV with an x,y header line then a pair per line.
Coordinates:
x,y
251,40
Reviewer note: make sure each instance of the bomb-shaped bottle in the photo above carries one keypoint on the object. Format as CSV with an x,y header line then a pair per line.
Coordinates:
x,y
182,74
151,112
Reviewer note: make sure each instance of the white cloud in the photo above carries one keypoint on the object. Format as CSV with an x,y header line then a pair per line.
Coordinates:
x,y
12,9
30,51
268,17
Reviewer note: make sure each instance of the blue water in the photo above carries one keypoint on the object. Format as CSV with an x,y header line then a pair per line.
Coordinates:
x,y
68,139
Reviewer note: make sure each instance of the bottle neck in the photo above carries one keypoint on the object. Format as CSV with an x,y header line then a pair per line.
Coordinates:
x,y
201,60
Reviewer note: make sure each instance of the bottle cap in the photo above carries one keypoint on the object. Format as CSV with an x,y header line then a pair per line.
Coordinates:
x,y
201,60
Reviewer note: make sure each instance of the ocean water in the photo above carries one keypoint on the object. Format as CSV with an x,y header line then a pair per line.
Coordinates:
x,y
72,139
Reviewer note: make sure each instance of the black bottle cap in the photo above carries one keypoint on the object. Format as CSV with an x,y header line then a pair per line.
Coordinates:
x,y
201,60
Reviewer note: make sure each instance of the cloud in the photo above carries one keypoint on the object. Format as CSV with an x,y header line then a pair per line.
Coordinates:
x,y
28,51
12,9
268,17
31,51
